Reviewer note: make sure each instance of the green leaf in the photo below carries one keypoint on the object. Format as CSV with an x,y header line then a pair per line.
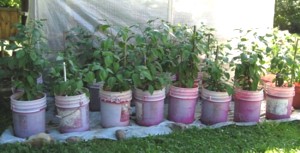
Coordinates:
x,y
103,28
147,75
120,78
103,74
108,60
30,80
151,89
33,55
20,54
136,80
111,81
90,77
116,67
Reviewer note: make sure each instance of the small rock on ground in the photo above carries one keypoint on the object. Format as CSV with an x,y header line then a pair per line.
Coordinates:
x,y
178,126
39,140
74,139
120,134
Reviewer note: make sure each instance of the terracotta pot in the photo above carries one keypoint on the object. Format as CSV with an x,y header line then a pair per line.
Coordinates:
x,y
296,100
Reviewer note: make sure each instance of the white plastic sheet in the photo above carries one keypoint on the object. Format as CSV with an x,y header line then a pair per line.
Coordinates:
x,y
222,15
133,130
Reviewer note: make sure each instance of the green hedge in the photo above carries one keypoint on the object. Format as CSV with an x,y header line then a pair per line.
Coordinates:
x,y
287,15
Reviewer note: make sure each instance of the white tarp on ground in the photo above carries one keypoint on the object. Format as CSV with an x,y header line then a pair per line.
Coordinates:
x,y
222,15
133,130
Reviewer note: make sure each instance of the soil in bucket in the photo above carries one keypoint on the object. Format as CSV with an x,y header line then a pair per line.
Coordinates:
x,y
215,107
73,112
149,108
26,114
247,105
115,108
182,104
296,100
279,101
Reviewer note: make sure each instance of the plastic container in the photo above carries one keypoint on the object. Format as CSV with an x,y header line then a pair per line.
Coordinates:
x,y
182,104
247,105
149,108
215,106
94,96
73,112
279,101
115,108
28,116
296,100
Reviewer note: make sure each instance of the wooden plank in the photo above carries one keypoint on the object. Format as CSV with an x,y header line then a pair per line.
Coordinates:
x,y
8,18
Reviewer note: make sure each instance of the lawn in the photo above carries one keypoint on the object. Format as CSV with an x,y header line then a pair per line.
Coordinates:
x,y
264,137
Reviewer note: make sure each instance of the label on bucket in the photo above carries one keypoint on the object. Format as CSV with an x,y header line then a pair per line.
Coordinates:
x,y
125,113
70,117
277,106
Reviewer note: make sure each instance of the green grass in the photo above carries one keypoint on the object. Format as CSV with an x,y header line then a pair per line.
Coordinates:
x,y
264,137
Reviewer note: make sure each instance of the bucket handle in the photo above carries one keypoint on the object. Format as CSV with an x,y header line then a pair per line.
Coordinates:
x,y
61,117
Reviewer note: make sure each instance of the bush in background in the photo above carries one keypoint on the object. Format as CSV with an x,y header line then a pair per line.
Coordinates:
x,y
287,15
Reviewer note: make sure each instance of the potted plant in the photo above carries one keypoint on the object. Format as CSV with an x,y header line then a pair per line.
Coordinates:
x,y
29,104
71,97
116,72
9,10
296,100
184,92
216,88
85,46
148,76
280,91
248,93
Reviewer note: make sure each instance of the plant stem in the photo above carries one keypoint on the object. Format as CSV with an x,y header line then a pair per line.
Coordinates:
x,y
193,38
125,54
217,53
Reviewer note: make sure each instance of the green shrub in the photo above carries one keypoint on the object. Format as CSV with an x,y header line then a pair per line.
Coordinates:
x,y
287,15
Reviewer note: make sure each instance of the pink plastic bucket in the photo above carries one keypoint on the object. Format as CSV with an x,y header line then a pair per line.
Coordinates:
x,y
279,101
215,106
115,108
247,105
73,112
28,116
149,108
182,104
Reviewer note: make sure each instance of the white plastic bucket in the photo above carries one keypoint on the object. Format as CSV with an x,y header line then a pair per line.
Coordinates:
x,y
115,108
247,105
215,106
26,114
73,112
279,101
149,108
182,104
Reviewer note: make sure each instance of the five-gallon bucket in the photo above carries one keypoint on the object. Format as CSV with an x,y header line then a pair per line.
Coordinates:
x,y
73,112
182,104
279,101
115,108
28,116
215,106
94,96
149,107
247,105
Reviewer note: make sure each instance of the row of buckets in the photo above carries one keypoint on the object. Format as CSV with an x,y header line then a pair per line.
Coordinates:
x,y
114,108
